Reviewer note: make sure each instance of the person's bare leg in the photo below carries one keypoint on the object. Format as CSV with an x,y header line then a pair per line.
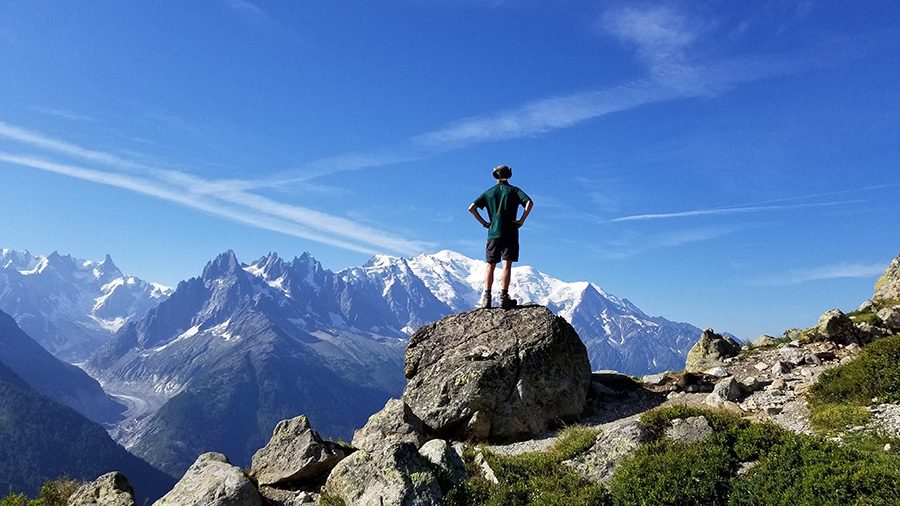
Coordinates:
x,y
485,301
489,277
507,274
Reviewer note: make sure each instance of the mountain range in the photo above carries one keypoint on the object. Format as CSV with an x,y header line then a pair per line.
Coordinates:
x,y
71,306
216,362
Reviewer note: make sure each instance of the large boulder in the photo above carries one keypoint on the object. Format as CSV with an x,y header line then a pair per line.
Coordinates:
x,y
890,318
111,489
710,351
395,424
396,475
837,327
491,374
212,481
611,447
295,453
887,288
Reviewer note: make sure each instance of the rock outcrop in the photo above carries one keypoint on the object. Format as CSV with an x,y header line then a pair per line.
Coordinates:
x,y
295,453
837,327
393,476
111,489
501,375
887,288
395,424
212,481
711,351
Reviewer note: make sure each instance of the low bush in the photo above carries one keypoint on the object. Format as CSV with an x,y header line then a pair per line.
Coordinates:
x,y
829,417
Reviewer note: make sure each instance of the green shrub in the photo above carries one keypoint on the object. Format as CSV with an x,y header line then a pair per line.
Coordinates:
x,y
53,493
666,473
805,470
874,373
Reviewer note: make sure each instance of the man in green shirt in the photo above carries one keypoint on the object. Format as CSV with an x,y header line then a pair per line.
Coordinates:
x,y
502,202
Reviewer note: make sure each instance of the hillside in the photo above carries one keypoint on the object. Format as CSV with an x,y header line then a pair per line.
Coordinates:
x,y
41,439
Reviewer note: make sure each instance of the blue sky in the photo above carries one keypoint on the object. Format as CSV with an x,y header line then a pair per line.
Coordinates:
x,y
734,165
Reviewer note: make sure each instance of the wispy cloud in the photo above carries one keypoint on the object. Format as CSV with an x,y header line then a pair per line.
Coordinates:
x,y
731,210
662,38
837,271
223,198
629,244
63,113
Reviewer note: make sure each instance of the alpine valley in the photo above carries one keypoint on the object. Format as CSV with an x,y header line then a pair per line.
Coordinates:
x,y
213,364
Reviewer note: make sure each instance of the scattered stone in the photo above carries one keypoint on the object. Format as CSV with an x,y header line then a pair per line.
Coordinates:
x,y
111,489
872,331
448,458
296,452
852,348
887,447
837,327
773,409
395,475
212,481
846,360
537,373
744,468
761,366
890,317
793,356
718,372
777,384
750,384
780,367
395,424
711,351
484,468
609,449
689,430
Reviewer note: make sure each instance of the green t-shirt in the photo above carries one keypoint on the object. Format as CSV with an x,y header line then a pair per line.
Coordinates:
x,y
502,202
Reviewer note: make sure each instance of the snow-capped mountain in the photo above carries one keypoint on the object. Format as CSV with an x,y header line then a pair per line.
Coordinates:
x,y
242,346
69,305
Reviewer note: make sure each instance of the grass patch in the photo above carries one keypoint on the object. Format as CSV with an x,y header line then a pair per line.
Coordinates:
x,y
828,417
864,317
533,478
874,373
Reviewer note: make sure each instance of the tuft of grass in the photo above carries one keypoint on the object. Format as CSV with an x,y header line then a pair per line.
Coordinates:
x,y
331,500
864,317
573,440
828,417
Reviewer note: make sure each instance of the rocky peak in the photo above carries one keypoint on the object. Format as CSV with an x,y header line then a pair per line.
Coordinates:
x,y
222,266
887,288
107,270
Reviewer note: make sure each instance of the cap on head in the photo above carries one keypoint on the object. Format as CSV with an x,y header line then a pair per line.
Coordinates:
x,y
502,172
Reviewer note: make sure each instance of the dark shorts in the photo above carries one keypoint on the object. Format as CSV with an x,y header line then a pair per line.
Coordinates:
x,y
504,248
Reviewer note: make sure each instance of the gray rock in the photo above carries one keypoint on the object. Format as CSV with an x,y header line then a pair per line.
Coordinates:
x,y
780,367
395,475
867,306
655,379
447,458
611,447
718,372
762,341
887,288
871,331
890,317
111,489
485,468
518,369
282,497
295,453
793,356
837,327
395,424
761,366
726,390
212,481
689,430
710,351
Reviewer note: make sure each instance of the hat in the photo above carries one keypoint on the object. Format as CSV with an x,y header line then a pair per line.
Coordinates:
x,y
502,172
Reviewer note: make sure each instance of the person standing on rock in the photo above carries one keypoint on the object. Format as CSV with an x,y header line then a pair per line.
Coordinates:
x,y
502,202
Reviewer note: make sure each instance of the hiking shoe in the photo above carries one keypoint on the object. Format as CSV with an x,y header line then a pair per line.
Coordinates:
x,y
507,303
485,302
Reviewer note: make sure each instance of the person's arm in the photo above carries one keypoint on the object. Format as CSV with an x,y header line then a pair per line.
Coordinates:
x,y
528,206
474,210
